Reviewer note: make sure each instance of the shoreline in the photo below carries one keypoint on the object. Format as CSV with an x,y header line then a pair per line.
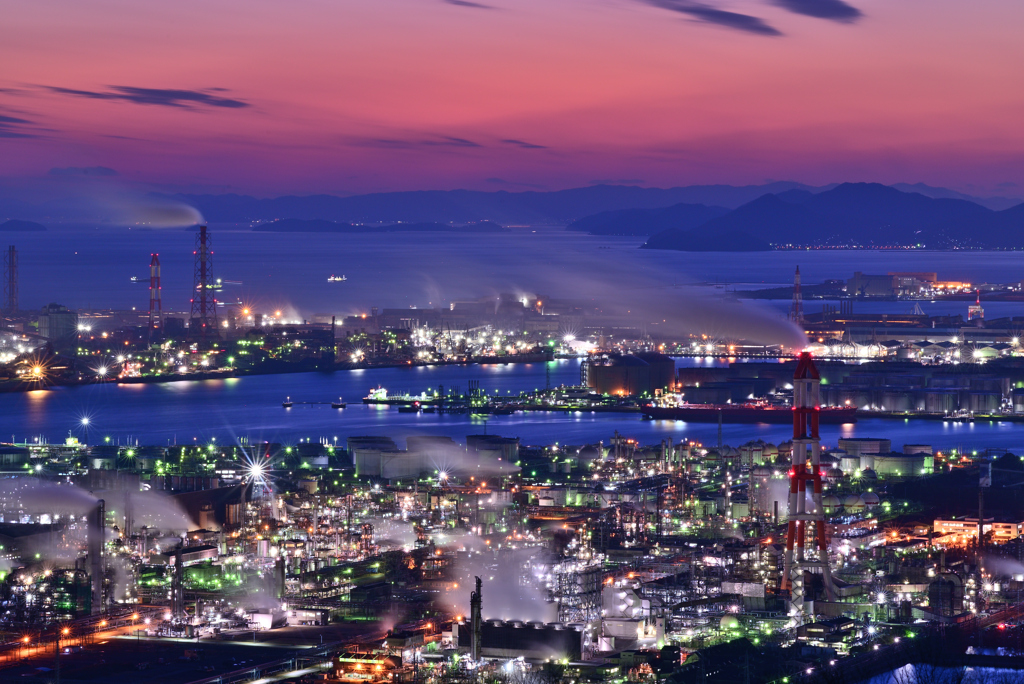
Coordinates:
x,y
16,386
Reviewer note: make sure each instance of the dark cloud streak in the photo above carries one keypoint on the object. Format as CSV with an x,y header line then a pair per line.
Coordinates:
x,y
711,15
467,3
836,10
182,99
525,145
400,144
15,127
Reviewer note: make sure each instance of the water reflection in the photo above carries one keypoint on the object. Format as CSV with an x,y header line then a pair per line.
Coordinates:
x,y
250,407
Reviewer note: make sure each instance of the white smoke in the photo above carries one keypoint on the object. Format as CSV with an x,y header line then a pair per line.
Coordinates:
x,y
512,585
392,533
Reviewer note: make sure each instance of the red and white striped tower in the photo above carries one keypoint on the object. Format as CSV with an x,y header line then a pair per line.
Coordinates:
x,y
806,468
155,301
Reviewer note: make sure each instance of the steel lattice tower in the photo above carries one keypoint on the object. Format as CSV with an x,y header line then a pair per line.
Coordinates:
x,y
806,468
155,299
11,281
203,323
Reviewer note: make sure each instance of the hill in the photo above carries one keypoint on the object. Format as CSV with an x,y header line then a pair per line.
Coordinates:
x,y
464,206
858,215
21,226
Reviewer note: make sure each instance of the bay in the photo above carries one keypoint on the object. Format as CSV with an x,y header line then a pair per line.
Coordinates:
x,y
250,407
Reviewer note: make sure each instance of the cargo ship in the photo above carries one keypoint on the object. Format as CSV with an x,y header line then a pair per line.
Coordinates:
x,y
743,413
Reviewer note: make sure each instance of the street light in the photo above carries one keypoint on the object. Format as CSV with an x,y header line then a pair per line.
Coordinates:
x,y
85,424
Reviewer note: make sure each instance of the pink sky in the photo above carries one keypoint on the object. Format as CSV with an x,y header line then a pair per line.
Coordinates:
x,y
350,96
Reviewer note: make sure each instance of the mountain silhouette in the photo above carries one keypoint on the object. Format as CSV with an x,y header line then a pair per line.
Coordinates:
x,y
857,215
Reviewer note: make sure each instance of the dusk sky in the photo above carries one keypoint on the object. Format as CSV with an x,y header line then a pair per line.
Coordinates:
x,y
344,96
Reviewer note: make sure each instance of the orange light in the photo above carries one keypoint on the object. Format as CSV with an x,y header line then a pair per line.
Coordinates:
x,y
65,631
25,639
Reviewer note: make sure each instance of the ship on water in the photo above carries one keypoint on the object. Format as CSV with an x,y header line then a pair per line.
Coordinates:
x,y
753,412
337,279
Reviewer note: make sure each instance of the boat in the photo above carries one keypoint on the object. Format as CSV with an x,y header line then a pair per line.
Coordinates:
x,y
287,403
744,413
337,279
340,404
409,408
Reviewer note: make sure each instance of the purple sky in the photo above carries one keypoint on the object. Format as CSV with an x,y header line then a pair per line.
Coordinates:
x,y
344,96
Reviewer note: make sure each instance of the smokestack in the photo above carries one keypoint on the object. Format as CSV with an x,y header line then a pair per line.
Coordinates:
x,y
177,588
96,518
279,577
155,299
475,622
796,311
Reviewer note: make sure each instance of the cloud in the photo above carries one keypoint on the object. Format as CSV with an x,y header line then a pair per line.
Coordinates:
x,y
447,141
82,171
184,99
15,127
524,145
411,144
710,15
836,10
467,3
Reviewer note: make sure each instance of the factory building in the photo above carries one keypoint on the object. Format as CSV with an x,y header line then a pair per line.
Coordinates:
x,y
514,639
59,325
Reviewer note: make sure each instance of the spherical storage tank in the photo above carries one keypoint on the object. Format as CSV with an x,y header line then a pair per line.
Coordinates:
x,y
831,504
870,500
853,504
729,622
834,474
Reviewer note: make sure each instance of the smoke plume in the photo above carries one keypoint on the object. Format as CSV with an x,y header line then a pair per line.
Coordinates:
x,y
512,585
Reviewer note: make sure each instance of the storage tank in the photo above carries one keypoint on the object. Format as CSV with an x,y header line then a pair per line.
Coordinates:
x,y
831,504
663,369
855,446
619,375
853,504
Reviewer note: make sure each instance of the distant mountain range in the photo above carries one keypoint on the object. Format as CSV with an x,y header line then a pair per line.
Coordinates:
x,y
630,210
321,226
466,206
849,215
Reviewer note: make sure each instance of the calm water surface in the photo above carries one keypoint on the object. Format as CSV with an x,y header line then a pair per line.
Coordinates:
x,y
180,412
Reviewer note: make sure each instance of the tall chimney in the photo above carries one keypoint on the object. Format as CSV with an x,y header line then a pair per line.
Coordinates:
x,y
178,584
475,622
96,519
